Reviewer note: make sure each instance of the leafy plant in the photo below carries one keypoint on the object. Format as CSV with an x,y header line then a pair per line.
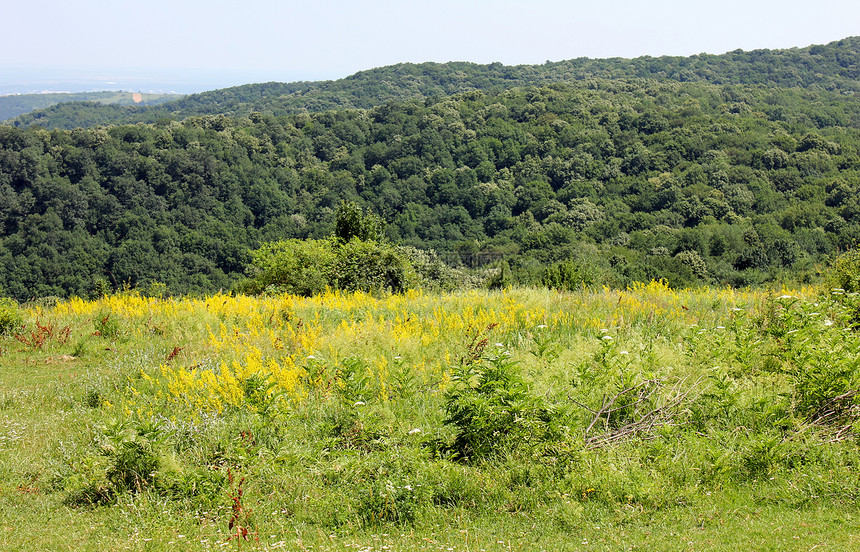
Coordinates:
x,y
493,412
10,317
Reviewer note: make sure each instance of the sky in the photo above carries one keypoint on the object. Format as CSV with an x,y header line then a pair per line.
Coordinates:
x,y
207,44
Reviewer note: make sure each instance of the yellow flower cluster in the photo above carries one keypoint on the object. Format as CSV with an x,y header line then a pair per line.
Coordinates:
x,y
240,351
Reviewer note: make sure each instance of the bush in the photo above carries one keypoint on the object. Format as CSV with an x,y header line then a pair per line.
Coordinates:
x,y
493,412
845,276
433,273
10,318
353,223
845,272
371,266
569,275
299,267
309,267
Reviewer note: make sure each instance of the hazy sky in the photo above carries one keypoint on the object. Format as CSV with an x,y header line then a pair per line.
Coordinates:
x,y
287,40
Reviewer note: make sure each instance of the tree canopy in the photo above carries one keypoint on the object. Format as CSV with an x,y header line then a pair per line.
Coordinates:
x,y
633,178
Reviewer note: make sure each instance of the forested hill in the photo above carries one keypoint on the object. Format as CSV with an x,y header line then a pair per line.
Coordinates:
x,y
18,104
834,67
625,180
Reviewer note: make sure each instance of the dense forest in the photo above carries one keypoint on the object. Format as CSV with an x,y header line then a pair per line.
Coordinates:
x,y
596,181
832,67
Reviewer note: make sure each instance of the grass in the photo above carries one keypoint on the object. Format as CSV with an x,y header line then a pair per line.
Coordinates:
x,y
516,420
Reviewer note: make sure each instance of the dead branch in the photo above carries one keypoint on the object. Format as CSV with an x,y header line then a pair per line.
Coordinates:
x,y
644,425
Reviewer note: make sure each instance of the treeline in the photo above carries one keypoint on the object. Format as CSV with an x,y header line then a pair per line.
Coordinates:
x,y
832,67
604,182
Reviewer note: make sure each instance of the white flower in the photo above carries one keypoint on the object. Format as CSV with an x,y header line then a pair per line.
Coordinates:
x,y
542,326
606,338
499,345
785,296
623,353
828,322
415,431
603,330
311,357
359,403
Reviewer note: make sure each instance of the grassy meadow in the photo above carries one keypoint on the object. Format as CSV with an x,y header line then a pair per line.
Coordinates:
x,y
523,419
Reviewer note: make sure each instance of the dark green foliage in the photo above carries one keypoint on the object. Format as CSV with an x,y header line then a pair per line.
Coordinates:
x,y
350,222
663,175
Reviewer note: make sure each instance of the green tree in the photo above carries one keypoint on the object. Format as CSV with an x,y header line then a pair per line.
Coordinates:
x,y
351,222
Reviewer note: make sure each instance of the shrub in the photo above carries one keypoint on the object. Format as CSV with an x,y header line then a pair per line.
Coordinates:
x,y
433,273
353,223
845,279
10,318
845,272
493,411
371,266
568,275
502,277
300,267
308,267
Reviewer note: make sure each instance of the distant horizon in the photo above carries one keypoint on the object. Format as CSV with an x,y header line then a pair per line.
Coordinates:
x,y
60,80
17,81
196,45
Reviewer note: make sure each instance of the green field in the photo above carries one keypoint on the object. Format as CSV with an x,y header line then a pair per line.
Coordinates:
x,y
523,419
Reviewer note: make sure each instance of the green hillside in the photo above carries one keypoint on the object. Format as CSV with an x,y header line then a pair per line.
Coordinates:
x,y
831,67
601,182
12,106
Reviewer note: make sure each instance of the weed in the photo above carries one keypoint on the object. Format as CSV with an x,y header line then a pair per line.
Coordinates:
x,y
43,334
240,523
353,382
476,343
107,326
403,379
544,344
261,393
93,398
